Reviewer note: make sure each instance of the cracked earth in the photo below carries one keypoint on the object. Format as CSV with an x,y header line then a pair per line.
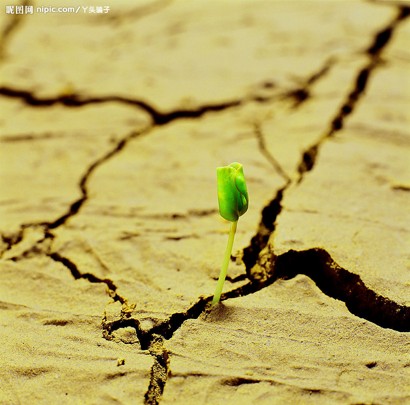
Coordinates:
x,y
112,126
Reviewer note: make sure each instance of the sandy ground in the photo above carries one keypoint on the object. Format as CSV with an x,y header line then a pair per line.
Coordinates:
x,y
113,121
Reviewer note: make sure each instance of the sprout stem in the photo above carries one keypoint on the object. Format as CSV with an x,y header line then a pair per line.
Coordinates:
x,y
225,263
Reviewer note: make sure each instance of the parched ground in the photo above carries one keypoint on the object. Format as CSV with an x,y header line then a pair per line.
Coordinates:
x,y
112,125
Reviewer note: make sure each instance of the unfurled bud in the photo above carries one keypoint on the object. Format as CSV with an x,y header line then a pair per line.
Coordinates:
x,y
232,191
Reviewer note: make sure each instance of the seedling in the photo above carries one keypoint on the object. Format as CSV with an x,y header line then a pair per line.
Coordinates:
x,y
233,202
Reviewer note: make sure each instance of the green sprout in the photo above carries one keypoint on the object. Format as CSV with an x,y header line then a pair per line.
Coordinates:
x,y
233,202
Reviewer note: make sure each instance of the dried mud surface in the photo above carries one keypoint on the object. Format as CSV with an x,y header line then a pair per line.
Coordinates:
x,y
111,128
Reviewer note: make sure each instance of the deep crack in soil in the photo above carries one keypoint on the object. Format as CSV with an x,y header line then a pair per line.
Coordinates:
x,y
334,281
338,283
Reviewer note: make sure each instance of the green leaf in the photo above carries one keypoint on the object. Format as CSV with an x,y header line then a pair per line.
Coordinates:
x,y
232,191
